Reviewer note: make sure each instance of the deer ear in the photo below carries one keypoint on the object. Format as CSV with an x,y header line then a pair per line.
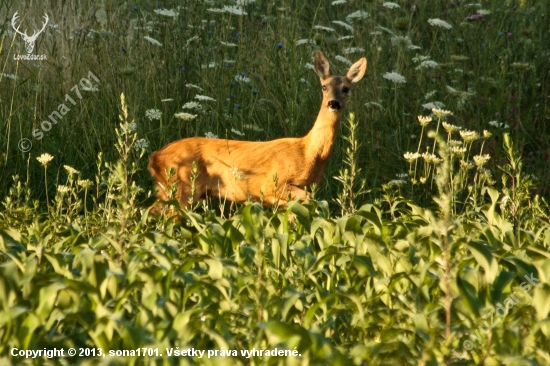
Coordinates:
x,y
322,67
357,70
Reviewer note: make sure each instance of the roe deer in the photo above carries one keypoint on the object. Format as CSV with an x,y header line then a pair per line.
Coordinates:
x,y
240,170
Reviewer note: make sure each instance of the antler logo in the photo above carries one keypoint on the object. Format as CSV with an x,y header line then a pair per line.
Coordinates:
x,y
29,40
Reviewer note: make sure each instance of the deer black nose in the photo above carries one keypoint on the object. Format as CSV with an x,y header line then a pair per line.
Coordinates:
x,y
334,104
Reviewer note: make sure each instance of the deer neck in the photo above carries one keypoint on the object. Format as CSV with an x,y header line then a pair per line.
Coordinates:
x,y
320,140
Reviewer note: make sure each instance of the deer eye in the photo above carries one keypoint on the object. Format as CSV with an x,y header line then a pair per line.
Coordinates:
x,y
324,87
345,90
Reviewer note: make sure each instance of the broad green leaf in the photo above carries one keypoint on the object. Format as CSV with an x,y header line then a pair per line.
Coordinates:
x,y
485,259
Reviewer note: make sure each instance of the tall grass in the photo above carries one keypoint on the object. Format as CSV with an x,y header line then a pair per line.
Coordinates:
x,y
432,212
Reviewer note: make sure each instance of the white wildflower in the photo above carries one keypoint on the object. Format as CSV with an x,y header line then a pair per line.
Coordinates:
x,y
85,183
210,135
483,11
304,41
402,175
235,10
433,105
431,158
359,14
310,66
252,127
420,58
9,76
436,22
344,38
481,160
166,12
429,95
441,112
193,86
344,60
62,189
397,183
240,78
211,65
395,77
153,114
410,157
185,116
192,105
153,41
390,5
424,120
228,44
327,29
205,98
71,170
403,42
347,51
458,151
343,24
450,128
238,133
141,144
374,104
469,136
428,64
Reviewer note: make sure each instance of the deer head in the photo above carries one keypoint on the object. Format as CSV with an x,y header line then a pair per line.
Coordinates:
x,y
29,40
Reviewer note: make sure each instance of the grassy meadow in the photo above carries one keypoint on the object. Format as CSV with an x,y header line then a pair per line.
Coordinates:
x,y
427,243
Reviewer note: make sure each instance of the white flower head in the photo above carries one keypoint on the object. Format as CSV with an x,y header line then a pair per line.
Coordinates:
x,y
141,144
410,157
343,24
192,105
347,51
238,133
441,112
327,29
395,77
205,98
343,60
62,189
153,41
193,86
166,12
44,159
153,114
85,183
481,160
359,14
424,120
71,170
210,135
185,116
391,5
450,128
304,41
436,22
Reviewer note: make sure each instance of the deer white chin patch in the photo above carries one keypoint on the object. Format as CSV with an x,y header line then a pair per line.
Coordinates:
x,y
333,110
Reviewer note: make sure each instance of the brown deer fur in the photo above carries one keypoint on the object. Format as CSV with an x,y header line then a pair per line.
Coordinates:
x,y
239,170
